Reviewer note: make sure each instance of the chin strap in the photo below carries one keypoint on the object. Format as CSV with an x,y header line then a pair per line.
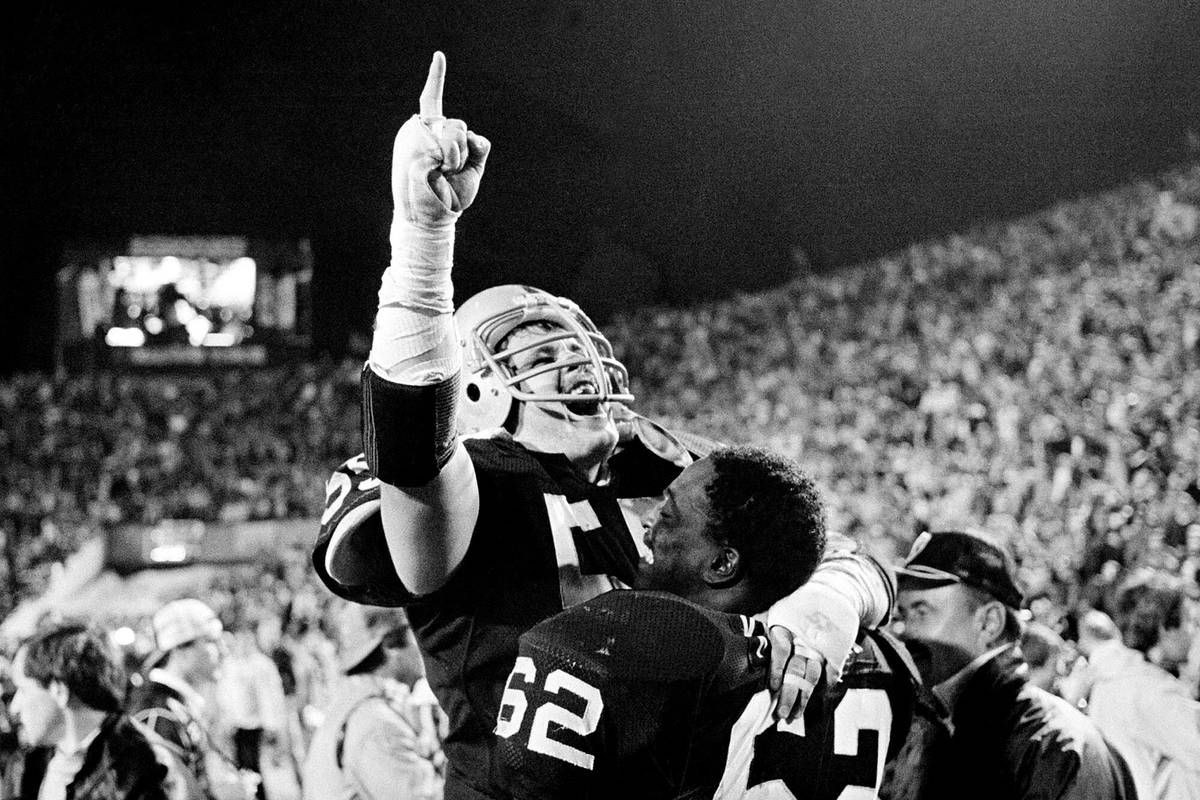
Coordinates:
x,y
654,437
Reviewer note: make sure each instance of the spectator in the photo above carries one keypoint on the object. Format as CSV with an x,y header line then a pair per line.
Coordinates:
x,y
1147,713
376,740
958,597
12,753
172,703
271,642
1095,628
70,693
250,696
1044,651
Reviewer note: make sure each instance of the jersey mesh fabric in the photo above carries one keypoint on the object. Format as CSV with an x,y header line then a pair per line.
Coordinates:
x,y
662,678
841,746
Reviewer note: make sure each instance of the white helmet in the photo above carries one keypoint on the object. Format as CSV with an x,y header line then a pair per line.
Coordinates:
x,y
489,386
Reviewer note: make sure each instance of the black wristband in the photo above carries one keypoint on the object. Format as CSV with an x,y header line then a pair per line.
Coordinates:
x,y
408,431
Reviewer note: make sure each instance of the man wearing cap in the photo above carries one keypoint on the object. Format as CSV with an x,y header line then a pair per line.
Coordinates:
x,y
187,636
379,737
958,602
1148,713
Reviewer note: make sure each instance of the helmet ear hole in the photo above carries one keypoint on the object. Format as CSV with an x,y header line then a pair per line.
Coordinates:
x,y
484,404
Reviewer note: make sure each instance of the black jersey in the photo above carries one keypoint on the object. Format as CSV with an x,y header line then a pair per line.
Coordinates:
x,y
545,539
633,695
645,695
839,748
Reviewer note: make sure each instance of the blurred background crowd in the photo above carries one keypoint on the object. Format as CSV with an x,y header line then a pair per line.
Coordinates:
x,y
1038,379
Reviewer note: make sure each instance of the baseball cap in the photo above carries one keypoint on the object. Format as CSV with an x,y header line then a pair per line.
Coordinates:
x,y
946,557
183,621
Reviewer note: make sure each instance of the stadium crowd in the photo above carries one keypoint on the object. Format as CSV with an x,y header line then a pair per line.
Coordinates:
x,y
1038,379
84,451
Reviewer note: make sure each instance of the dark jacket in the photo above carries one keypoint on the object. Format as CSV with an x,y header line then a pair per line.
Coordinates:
x,y
119,765
166,712
1013,740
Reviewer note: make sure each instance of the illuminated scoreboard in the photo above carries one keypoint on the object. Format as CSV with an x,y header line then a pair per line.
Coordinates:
x,y
177,301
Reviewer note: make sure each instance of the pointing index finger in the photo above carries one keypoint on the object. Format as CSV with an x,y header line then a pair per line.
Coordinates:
x,y
431,95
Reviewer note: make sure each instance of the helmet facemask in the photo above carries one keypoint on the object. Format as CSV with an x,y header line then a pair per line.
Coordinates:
x,y
491,379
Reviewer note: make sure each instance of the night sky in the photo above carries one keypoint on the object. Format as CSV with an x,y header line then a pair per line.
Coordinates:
x,y
643,151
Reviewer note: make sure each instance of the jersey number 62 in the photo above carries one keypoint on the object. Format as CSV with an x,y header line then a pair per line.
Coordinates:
x,y
514,705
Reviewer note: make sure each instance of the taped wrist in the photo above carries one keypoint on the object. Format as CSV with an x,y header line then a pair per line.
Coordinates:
x,y
862,580
408,431
821,617
415,340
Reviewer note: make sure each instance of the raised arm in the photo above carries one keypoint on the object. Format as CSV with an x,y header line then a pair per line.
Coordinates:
x,y
410,384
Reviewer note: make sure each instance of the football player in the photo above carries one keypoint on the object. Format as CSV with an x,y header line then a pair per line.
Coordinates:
x,y
647,695
482,537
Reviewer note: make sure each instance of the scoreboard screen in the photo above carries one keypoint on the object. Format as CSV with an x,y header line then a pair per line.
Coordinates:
x,y
178,301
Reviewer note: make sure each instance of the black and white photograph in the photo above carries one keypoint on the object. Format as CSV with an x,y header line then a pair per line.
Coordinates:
x,y
570,401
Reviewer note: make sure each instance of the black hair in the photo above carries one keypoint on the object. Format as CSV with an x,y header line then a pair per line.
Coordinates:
x,y
1040,644
80,657
1145,604
768,510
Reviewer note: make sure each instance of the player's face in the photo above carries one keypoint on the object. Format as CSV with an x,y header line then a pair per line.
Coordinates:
x,y
580,379
943,621
677,535
582,431
39,715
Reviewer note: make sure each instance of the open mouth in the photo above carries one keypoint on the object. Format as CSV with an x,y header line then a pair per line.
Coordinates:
x,y
589,406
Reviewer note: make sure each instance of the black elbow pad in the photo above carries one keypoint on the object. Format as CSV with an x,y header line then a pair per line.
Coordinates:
x,y
408,431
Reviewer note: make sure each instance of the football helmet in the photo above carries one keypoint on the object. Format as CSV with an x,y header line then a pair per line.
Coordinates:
x,y
489,384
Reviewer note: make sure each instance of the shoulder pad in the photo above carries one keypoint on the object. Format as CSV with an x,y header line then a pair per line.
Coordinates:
x,y
352,494
351,555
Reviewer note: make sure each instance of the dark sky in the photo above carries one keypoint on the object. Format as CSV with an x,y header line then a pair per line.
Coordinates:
x,y
644,150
